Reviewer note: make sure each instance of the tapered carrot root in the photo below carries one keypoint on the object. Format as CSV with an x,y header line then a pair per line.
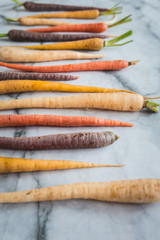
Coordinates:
x,y
58,121
14,86
89,66
125,191
60,141
11,165
36,76
13,54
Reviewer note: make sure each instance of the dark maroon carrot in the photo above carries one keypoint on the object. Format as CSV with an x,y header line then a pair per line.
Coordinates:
x,y
36,76
26,36
35,7
60,141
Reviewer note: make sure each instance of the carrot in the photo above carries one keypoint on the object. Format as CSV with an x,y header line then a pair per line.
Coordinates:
x,y
87,27
58,121
14,86
26,21
118,101
123,191
12,165
13,54
24,36
60,141
83,14
32,6
94,44
36,76
89,66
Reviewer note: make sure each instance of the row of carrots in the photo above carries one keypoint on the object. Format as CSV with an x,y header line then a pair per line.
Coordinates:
x,y
134,191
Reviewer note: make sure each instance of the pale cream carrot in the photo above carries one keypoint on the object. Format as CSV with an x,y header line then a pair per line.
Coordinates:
x,y
125,191
13,54
118,101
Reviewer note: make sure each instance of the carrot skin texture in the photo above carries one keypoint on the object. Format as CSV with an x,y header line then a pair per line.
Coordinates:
x,y
60,141
58,121
31,6
13,54
117,101
26,36
36,76
89,66
91,27
136,191
12,165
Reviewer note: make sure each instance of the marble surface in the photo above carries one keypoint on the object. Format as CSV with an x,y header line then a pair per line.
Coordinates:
x,y
138,147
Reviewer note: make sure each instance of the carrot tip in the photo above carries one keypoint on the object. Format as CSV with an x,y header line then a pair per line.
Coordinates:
x,y
117,137
133,62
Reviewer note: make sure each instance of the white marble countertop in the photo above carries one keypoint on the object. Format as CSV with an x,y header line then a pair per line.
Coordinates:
x,y
138,147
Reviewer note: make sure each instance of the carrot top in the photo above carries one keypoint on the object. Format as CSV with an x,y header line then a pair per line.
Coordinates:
x,y
112,42
116,9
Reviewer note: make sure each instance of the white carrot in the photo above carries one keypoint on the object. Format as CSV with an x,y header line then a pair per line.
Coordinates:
x,y
118,101
13,54
124,191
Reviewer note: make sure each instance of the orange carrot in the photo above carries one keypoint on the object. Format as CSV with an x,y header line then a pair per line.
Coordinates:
x,y
124,191
84,27
12,165
58,121
89,66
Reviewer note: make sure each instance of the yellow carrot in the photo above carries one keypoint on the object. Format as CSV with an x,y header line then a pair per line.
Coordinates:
x,y
27,21
124,191
14,86
84,14
13,54
10,165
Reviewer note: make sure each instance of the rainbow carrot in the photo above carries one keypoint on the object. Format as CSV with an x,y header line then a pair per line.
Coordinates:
x,y
13,54
13,165
14,86
89,66
24,36
36,76
124,191
117,101
32,6
58,121
60,141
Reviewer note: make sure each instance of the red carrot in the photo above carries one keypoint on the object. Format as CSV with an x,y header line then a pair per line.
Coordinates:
x,y
84,27
89,66
59,121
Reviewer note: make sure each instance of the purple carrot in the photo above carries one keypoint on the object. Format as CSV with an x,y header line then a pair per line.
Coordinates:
x,y
36,76
35,7
60,141
26,36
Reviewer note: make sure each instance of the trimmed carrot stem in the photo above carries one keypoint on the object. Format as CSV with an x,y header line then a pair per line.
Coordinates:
x,y
58,121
